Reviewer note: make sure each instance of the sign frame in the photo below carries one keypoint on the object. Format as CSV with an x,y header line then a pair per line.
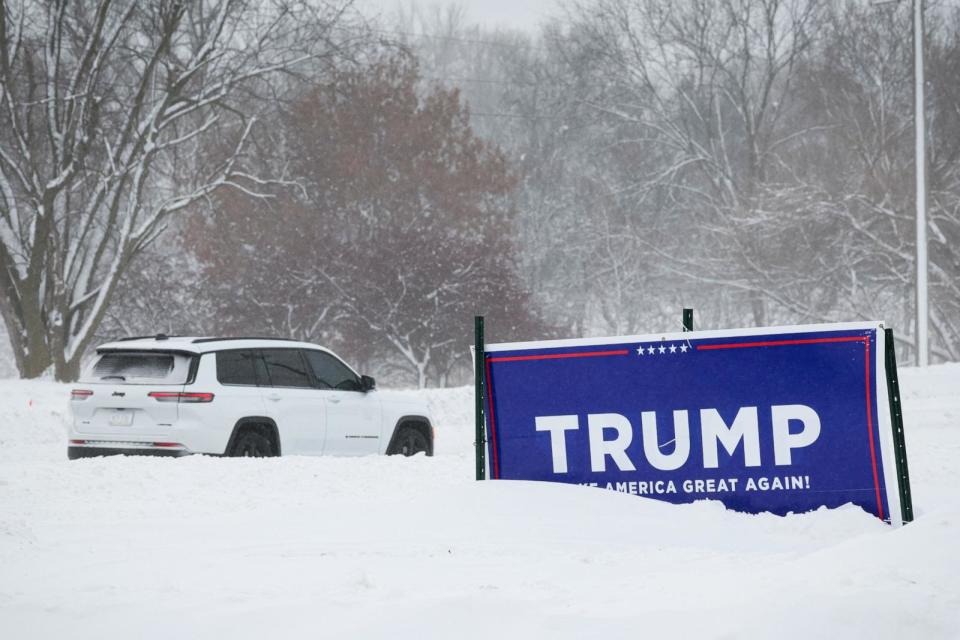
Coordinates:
x,y
880,367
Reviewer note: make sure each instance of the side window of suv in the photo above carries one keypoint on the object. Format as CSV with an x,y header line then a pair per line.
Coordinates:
x,y
237,367
331,373
286,368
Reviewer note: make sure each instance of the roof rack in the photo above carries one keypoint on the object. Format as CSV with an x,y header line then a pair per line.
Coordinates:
x,y
202,340
156,336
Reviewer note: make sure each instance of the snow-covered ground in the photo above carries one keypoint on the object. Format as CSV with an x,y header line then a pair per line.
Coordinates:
x,y
389,547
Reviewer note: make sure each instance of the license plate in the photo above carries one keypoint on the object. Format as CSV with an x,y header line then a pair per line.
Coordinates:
x,y
121,418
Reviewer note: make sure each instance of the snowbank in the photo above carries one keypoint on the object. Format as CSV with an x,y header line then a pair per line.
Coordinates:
x,y
387,547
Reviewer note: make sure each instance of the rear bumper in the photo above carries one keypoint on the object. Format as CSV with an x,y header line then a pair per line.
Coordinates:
x,y
92,451
190,434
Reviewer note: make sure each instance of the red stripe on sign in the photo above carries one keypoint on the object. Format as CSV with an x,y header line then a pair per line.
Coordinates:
x,y
873,453
866,343
557,356
493,425
777,343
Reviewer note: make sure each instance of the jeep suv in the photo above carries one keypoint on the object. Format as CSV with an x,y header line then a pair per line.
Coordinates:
x,y
236,397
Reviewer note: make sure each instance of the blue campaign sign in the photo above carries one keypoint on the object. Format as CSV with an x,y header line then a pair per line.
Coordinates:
x,y
783,419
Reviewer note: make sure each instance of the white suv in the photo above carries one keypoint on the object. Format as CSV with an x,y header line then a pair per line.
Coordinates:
x,y
236,397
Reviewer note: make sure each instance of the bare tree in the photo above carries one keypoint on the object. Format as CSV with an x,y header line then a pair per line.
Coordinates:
x,y
402,231
709,85
862,85
96,98
750,157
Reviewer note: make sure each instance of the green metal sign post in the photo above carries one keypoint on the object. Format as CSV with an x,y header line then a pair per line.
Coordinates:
x,y
896,414
480,440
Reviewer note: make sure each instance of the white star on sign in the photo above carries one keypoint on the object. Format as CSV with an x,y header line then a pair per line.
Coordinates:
x,y
640,350
650,350
683,348
673,348
662,349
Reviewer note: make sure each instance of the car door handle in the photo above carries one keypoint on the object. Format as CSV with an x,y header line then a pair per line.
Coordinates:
x,y
274,396
334,399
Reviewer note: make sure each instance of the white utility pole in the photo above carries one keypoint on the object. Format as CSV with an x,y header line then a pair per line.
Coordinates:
x,y
920,159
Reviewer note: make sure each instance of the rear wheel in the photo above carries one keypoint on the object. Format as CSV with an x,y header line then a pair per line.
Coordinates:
x,y
409,442
251,444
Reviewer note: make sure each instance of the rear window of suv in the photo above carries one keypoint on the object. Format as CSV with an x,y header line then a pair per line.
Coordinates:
x,y
142,367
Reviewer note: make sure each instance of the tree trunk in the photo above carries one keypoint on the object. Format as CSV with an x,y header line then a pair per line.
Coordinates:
x,y
759,309
66,370
33,364
27,341
421,375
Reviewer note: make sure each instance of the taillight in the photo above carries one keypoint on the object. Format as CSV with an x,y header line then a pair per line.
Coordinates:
x,y
174,396
80,394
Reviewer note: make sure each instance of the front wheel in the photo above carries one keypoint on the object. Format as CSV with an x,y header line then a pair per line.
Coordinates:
x,y
409,442
251,444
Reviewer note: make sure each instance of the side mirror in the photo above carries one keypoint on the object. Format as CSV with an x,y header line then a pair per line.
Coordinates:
x,y
367,383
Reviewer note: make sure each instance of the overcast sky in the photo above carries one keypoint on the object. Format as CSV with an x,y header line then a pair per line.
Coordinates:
x,y
519,14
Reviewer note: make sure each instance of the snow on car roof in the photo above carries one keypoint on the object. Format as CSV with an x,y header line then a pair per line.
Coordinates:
x,y
201,344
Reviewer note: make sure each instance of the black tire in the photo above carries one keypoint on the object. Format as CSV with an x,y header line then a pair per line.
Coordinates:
x,y
250,444
410,441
